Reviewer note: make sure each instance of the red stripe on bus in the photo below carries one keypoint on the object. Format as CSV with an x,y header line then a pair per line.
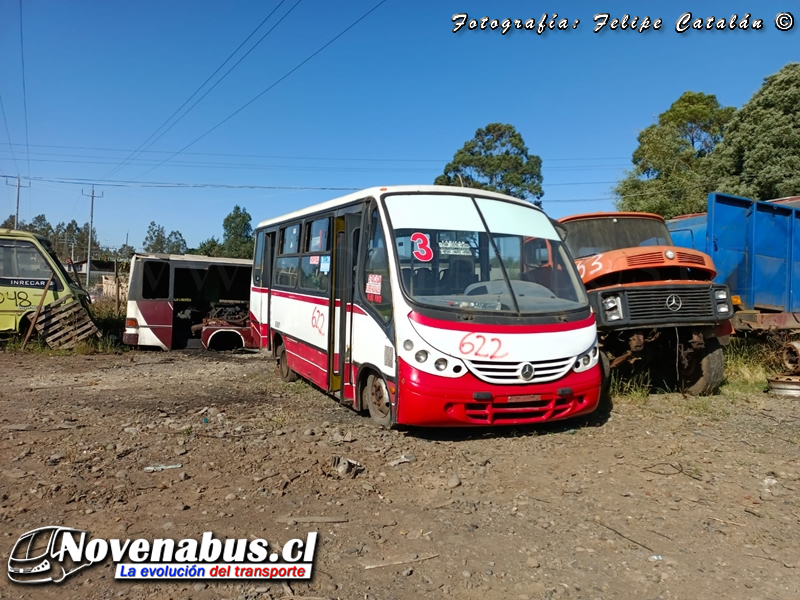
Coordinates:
x,y
482,328
260,290
301,297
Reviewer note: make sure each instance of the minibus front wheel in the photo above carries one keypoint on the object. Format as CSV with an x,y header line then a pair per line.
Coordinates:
x,y
375,395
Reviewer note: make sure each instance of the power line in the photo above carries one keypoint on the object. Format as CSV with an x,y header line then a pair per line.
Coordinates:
x,y
164,184
24,89
224,165
240,109
335,158
8,134
139,150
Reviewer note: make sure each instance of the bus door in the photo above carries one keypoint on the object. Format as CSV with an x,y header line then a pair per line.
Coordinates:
x,y
347,232
260,293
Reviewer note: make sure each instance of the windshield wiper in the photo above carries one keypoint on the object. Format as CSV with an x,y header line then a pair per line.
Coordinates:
x,y
499,258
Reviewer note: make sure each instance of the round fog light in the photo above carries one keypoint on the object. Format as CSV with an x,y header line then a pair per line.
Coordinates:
x,y
408,345
670,254
586,360
421,356
440,364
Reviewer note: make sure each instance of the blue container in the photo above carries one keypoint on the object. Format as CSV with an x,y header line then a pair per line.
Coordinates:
x,y
755,247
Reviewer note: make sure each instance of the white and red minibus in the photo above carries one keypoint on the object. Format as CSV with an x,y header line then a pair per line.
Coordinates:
x,y
428,306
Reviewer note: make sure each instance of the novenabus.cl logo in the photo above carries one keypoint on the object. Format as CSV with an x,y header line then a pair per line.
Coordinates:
x,y
39,556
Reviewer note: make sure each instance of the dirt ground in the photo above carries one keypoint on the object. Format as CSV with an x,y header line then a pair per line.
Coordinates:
x,y
669,498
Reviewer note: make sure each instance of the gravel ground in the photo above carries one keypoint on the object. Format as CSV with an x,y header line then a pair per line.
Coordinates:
x,y
670,497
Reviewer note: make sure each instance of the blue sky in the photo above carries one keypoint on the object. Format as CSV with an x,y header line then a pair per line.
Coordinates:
x,y
399,92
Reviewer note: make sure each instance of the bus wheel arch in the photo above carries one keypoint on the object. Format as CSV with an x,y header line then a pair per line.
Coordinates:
x,y
225,339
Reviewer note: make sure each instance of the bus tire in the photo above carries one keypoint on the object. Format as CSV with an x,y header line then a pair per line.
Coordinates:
x,y
375,396
709,373
606,403
284,370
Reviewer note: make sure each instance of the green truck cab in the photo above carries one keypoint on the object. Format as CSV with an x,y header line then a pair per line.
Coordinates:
x,y
27,261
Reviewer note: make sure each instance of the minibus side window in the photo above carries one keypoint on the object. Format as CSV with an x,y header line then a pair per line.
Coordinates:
x,y
286,266
377,288
315,265
155,284
258,258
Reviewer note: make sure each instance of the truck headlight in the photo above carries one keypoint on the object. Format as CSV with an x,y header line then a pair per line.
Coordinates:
x,y
612,307
722,308
721,295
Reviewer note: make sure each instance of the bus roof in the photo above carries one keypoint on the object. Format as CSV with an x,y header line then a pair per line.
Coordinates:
x,y
195,258
376,191
24,234
605,215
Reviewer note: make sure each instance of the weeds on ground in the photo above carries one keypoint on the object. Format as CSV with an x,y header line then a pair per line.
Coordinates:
x,y
631,389
748,363
104,314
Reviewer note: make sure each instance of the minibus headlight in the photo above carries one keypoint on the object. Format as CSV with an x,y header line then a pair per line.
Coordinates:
x,y
440,364
421,356
587,360
408,345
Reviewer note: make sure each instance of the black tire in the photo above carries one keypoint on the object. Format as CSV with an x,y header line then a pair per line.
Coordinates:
x,y
284,371
375,396
708,372
606,403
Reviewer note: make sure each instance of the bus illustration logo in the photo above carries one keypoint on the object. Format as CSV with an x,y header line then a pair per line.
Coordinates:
x,y
39,556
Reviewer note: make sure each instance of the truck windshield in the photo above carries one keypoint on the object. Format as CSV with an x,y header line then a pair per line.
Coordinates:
x,y
481,255
586,237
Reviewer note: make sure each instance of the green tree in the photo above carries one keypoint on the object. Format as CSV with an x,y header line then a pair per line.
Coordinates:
x,y
125,251
671,172
760,155
496,159
155,241
8,223
175,244
159,242
237,234
209,247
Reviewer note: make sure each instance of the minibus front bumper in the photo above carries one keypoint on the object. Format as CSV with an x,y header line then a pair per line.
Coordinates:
x,y
433,401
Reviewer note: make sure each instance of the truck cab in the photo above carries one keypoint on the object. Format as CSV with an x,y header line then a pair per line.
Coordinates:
x,y
657,307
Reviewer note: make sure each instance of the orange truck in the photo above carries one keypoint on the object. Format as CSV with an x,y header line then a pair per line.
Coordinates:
x,y
656,305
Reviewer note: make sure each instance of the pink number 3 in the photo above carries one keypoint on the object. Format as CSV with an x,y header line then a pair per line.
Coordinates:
x,y
423,251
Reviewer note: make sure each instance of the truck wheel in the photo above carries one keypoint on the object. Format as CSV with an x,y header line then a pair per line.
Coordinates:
x,y
708,372
375,396
285,372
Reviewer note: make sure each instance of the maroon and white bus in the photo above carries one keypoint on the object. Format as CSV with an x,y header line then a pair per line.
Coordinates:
x,y
424,305
178,301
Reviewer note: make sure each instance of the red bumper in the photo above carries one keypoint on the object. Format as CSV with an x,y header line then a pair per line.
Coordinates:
x,y
431,401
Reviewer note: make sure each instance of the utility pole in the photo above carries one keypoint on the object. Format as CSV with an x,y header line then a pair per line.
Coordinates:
x,y
91,226
18,186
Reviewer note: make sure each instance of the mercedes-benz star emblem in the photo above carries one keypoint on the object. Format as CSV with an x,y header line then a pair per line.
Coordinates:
x,y
526,372
674,302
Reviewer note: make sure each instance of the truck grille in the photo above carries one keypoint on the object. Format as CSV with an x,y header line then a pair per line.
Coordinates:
x,y
690,258
650,258
687,303
509,372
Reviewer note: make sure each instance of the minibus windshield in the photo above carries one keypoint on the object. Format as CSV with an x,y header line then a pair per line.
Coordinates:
x,y
481,254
